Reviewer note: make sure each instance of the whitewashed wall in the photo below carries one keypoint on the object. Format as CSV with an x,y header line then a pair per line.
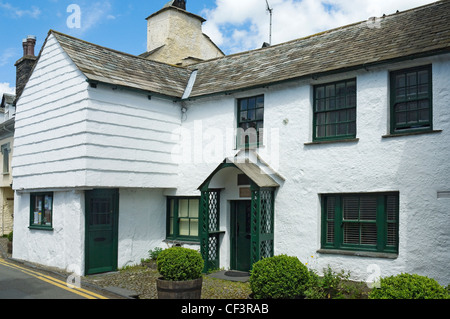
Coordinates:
x,y
142,221
415,166
63,247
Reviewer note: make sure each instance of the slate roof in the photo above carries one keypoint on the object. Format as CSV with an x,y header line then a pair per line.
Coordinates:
x,y
413,33
113,67
418,32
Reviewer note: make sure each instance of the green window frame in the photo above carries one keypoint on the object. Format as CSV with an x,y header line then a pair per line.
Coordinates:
x,y
335,110
250,122
41,211
183,218
411,100
361,222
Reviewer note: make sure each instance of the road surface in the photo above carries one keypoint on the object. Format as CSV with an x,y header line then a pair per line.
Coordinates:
x,y
21,282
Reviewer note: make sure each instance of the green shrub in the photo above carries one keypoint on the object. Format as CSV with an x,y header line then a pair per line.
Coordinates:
x,y
154,253
279,277
406,286
331,285
180,264
10,236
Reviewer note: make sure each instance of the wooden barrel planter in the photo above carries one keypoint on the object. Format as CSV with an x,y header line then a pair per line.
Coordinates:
x,y
189,289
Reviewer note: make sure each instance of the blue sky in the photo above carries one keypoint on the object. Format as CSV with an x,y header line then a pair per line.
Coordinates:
x,y
234,25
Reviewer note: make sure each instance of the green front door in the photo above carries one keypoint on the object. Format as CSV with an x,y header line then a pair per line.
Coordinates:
x,y
102,216
241,235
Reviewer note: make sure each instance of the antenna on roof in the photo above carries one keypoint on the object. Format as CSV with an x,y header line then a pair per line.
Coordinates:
x,y
271,13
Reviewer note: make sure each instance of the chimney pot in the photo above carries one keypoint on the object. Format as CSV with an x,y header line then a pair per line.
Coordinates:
x,y
180,4
31,43
25,47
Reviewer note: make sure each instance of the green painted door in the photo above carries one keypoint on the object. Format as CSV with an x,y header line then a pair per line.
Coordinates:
x,y
102,216
241,234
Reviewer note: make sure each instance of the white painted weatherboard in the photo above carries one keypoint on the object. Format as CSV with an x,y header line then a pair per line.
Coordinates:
x,y
50,124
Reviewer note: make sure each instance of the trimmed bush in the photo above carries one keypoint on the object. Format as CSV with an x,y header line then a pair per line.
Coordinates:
x,y
180,264
406,286
279,277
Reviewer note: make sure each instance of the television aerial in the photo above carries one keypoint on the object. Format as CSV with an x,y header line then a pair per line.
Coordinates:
x,y
270,10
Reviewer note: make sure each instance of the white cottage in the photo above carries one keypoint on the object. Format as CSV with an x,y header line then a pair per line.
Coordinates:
x,y
333,148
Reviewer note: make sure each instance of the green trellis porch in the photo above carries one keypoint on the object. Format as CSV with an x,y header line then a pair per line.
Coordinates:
x,y
263,189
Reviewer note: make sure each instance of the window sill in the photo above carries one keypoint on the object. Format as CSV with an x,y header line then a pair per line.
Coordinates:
x,y
411,133
347,140
358,253
41,228
181,242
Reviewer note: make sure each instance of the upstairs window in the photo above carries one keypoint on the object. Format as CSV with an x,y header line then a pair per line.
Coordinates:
x,y
411,100
250,113
335,110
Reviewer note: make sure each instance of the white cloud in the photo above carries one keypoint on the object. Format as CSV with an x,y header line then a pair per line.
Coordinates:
x,y
237,25
7,55
17,12
6,88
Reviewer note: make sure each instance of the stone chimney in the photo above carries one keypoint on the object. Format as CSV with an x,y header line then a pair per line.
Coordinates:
x,y
25,65
175,36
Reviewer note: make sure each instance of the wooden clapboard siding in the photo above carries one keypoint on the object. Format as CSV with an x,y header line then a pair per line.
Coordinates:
x,y
130,134
50,122
69,134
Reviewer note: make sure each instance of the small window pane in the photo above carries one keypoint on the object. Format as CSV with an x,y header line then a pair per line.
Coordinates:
x,y
411,79
251,103
369,234
320,92
320,105
243,104
400,81
330,90
260,114
194,227
251,115
183,208
351,234
260,101
423,77
368,208
351,208
193,208
400,93
184,227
